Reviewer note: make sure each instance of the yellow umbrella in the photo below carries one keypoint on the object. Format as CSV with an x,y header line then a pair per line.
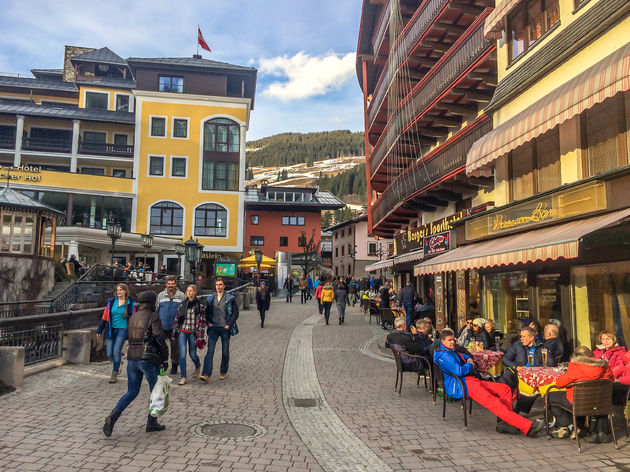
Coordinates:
x,y
262,266
252,260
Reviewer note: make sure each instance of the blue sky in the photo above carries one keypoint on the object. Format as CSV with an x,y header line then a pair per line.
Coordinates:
x,y
303,50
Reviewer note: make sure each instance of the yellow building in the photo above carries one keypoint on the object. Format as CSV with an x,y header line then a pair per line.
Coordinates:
x,y
157,144
555,244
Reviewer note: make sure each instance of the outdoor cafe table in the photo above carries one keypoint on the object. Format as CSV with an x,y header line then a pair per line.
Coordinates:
x,y
532,380
485,360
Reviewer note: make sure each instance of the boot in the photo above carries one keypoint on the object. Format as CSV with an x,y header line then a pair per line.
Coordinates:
x,y
110,421
114,378
173,368
152,425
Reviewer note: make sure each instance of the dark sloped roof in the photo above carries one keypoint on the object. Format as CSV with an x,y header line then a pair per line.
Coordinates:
x,y
341,224
47,73
14,199
51,111
188,62
254,199
29,82
103,55
110,82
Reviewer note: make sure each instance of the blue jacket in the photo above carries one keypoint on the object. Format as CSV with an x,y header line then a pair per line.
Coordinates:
x,y
231,309
450,363
167,307
309,282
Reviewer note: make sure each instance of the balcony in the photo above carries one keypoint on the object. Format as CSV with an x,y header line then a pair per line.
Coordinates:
x,y
106,149
7,142
447,160
455,65
47,144
381,29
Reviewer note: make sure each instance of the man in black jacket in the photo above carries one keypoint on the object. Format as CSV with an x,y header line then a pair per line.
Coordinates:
x,y
288,286
518,356
401,340
407,299
421,343
555,348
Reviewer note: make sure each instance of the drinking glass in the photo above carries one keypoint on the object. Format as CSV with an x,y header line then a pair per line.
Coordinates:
x,y
544,356
530,359
497,342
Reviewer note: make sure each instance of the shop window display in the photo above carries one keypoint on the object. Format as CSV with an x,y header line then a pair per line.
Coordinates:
x,y
506,300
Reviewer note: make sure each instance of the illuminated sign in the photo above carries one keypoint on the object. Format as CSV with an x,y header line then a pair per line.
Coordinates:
x,y
225,270
413,239
437,243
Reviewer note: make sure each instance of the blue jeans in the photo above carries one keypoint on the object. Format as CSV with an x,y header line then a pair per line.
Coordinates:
x,y
214,333
135,371
409,311
183,340
114,346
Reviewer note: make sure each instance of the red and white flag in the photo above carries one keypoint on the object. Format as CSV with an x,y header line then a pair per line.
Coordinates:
x,y
201,41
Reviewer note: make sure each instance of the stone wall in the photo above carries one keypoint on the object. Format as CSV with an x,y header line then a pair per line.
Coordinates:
x,y
25,278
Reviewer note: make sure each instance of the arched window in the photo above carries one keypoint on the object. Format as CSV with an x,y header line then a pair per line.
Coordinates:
x,y
167,218
221,135
221,146
210,220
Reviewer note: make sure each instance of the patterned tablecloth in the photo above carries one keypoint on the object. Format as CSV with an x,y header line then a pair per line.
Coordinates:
x,y
484,360
537,379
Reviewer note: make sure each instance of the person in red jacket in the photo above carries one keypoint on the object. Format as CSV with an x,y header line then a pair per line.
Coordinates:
x,y
609,349
622,380
583,366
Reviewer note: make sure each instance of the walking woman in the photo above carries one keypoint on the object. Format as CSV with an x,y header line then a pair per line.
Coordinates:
x,y
144,321
341,299
328,296
190,326
114,322
263,300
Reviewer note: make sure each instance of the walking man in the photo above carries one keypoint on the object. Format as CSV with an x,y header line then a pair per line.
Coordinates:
x,y
309,287
288,286
407,299
167,305
221,315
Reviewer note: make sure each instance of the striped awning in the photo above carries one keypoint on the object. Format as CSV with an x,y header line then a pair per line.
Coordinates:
x,y
409,257
601,81
552,243
380,265
493,26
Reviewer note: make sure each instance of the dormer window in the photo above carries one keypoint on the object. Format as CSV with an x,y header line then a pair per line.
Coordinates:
x,y
96,100
171,84
528,23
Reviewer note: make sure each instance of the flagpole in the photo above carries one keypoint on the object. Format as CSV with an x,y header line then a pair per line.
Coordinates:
x,y
197,39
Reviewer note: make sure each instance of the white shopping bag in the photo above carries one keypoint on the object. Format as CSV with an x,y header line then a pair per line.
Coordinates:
x,y
160,395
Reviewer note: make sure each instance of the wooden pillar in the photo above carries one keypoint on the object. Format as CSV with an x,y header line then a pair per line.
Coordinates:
x,y
440,312
462,297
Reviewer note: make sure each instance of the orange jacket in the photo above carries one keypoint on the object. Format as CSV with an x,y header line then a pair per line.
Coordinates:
x,y
584,368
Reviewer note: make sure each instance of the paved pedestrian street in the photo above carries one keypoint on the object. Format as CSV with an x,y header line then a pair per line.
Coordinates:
x,y
299,396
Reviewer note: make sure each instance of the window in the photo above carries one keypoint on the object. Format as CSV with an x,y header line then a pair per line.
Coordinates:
x,y
342,250
523,172
343,233
254,219
350,231
166,218
210,220
96,100
349,249
156,165
94,137
284,241
336,252
548,161
349,269
301,241
171,84
336,235
300,221
180,127
120,139
293,220
158,126
221,135
256,240
219,176
372,249
119,173
528,23
604,129
16,232
92,170
178,166
122,102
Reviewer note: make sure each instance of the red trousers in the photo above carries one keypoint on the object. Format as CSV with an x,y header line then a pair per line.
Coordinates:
x,y
497,398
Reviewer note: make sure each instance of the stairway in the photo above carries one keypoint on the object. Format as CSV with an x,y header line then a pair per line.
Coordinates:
x,y
57,289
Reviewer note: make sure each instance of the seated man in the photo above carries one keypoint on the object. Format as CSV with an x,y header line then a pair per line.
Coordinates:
x,y
581,367
479,334
555,348
421,343
518,353
401,340
495,397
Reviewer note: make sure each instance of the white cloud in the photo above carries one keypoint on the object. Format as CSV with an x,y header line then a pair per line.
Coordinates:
x,y
306,75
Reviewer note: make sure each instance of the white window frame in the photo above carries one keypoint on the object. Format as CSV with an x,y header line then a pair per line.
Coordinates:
x,y
173,127
124,170
170,200
165,126
185,176
227,220
164,167
116,94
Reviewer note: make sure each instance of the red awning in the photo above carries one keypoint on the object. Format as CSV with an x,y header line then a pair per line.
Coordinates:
x,y
494,23
552,243
601,81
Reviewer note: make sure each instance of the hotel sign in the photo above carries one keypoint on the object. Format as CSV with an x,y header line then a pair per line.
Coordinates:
x,y
413,239
568,203
27,173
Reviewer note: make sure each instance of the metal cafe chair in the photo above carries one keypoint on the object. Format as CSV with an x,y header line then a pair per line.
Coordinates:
x,y
399,368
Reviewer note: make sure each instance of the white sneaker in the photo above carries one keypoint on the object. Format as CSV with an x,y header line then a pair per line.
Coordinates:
x,y
182,381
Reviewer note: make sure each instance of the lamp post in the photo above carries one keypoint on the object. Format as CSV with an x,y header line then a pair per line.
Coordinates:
x,y
147,243
258,256
180,250
193,255
114,231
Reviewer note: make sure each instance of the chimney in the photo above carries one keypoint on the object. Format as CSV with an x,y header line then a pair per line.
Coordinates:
x,y
196,56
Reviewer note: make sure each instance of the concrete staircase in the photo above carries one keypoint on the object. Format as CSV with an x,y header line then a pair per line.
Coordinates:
x,y
57,289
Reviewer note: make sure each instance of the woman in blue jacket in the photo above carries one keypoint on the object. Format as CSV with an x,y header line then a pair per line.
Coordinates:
x,y
115,322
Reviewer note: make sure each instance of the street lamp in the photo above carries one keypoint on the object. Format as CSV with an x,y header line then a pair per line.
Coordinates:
x,y
114,231
180,250
258,255
193,251
147,243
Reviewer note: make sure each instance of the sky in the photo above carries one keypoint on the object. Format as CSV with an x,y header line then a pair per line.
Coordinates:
x,y
304,50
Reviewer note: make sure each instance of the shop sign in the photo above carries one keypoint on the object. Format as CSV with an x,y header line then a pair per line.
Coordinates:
x,y
27,173
225,270
210,256
413,239
437,243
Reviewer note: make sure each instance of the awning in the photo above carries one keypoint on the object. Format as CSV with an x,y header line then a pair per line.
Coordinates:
x,y
599,82
552,243
380,265
409,257
493,26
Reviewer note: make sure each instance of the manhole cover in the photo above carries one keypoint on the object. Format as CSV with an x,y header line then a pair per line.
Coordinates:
x,y
304,402
226,430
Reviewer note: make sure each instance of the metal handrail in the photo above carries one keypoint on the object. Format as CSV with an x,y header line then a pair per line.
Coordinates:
x,y
50,316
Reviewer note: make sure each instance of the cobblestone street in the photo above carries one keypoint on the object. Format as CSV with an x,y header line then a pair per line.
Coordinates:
x,y
318,398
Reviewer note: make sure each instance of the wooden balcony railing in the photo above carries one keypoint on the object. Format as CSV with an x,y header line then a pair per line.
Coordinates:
x,y
446,160
457,62
107,149
7,142
47,144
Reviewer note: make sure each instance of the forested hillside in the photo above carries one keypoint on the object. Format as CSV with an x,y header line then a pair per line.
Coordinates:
x,y
291,148
349,185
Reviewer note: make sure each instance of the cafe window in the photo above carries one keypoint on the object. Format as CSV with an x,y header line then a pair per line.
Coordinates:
x,y
171,84
256,240
604,129
96,100
17,232
528,23
506,300
219,176
158,126
284,241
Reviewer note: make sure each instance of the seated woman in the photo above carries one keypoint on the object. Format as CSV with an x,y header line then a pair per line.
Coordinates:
x,y
495,335
581,367
622,380
479,333
609,349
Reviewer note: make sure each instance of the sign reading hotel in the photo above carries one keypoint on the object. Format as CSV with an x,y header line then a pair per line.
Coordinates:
x,y
26,173
437,243
413,239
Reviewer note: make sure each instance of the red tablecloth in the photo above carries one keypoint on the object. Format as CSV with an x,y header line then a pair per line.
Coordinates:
x,y
484,360
535,377
398,309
